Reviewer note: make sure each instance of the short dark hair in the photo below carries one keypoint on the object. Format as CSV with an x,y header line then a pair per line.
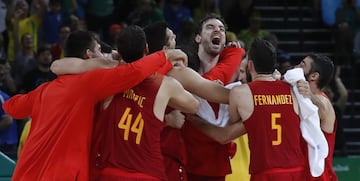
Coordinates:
x,y
324,66
131,43
78,42
208,17
42,49
263,55
156,36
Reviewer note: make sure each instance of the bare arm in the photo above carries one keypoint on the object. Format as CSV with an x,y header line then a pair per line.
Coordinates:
x,y
222,135
180,98
171,93
77,65
200,86
326,112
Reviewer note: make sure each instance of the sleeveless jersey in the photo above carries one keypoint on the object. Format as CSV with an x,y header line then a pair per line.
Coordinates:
x,y
205,156
273,128
131,138
329,173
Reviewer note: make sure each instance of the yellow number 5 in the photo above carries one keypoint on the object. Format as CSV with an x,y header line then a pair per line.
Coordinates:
x,y
137,126
277,127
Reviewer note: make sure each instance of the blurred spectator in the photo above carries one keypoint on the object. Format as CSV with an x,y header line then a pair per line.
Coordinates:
x,y
338,94
70,6
2,46
113,32
122,10
254,31
7,83
99,17
53,19
24,59
185,39
175,14
80,8
21,22
237,14
41,73
206,7
57,50
3,10
8,131
145,13
348,23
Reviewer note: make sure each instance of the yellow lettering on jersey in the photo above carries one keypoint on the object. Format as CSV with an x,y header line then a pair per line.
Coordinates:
x,y
276,126
281,99
130,94
127,123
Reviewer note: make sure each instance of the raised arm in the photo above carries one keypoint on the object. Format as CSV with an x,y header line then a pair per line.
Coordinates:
x,y
200,86
76,65
181,99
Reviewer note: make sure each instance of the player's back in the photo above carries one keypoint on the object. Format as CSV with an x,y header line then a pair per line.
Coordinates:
x,y
132,131
273,128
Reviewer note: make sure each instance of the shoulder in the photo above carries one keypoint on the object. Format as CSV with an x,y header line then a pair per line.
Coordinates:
x,y
242,90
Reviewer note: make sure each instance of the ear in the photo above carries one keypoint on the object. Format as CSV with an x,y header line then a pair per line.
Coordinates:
x,y
197,38
88,54
314,76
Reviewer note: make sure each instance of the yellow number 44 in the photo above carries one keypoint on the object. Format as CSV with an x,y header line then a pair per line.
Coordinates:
x,y
277,127
126,123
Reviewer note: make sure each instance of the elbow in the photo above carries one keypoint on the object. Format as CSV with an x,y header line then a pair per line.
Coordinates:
x,y
194,107
223,140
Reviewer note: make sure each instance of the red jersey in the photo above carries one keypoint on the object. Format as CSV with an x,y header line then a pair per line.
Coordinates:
x,y
62,113
207,157
274,130
174,153
131,137
329,173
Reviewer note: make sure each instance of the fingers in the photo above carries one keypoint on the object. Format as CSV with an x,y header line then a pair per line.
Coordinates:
x,y
234,44
175,55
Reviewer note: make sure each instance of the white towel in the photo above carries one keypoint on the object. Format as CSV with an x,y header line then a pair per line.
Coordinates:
x,y
310,125
207,113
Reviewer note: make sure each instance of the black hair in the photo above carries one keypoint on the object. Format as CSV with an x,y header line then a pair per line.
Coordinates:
x,y
208,17
78,42
324,66
263,55
42,49
156,36
131,43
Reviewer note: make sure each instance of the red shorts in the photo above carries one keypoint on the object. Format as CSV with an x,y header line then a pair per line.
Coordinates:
x,y
292,174
174,170
192,177
114,174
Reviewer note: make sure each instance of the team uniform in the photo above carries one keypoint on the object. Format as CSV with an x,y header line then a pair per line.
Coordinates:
x,y
174,154
207,159
274,134
329,173
62,113
130,146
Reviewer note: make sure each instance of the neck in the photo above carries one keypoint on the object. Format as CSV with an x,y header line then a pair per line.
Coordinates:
x,y
264,77
207,62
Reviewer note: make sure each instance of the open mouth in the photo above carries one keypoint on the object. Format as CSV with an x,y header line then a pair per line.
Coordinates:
x,y
215,41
